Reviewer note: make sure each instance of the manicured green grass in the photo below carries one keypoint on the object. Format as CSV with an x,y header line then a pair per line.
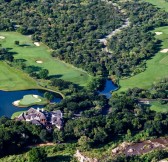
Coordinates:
x,y
30,100
157,106
159,3
12,79
16,114
157,67
32,53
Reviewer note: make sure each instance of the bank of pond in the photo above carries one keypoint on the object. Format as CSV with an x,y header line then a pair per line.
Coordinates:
x,y
108,88
7,98
15,101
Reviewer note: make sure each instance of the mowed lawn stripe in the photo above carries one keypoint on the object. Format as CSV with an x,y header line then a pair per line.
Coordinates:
x,y
159,3
32,53
12,79
156,69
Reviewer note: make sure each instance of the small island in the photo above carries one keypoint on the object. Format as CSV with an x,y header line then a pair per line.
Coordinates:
x,y
30,100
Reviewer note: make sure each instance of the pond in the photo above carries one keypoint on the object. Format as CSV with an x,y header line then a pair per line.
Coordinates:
x,y
8,97
109,87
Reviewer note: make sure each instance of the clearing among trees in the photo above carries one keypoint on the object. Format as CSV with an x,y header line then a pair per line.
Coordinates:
x,y
156,68
31,54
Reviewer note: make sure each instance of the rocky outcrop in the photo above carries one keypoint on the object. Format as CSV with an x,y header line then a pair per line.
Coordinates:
x,y
140,148
83,158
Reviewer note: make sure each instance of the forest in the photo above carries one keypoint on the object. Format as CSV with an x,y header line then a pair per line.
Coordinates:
x,y
87,123
71,29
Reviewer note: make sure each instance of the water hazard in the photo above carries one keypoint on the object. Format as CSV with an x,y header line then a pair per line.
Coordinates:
x,y
109,87
7,97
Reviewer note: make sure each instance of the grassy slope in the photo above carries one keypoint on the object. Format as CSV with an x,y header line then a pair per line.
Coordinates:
x,y
156,106
16,114
54,154
157,67
32,53
12,79
159,3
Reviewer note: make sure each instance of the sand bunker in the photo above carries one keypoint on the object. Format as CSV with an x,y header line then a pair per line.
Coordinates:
x,y
39,61
16,103
37,43
164,50
2,37
158,33
35,96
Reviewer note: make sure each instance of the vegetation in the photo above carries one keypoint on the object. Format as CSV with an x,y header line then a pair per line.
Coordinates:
x,y
37,155
26,54
15,80
161,4
152,156
156,68
16,114
75,37
159,106
71,30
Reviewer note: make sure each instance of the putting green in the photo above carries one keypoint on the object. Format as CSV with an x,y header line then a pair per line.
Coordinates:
x,y
30,100
157,67
28,51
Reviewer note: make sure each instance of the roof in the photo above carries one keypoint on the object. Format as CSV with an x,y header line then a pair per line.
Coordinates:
x,y
37,116
57,113
36,122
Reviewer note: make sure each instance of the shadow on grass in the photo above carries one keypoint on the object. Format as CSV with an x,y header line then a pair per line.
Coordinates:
x,y
60,158
24,45
20,60
55,76
34,68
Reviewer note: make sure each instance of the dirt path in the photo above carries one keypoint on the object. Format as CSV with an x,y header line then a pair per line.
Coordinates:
x,y
42,144
125,25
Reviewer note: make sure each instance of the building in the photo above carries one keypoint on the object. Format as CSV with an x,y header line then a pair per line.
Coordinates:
x,y
44,118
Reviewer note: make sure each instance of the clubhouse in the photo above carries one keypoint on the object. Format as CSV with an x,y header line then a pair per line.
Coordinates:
x,y
43,118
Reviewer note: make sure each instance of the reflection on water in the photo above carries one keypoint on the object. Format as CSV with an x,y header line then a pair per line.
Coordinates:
x,y
109,87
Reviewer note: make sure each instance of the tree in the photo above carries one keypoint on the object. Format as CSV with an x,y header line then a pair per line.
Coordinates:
x,y
48,96
43,74
37,155
17,42
84,142
44,135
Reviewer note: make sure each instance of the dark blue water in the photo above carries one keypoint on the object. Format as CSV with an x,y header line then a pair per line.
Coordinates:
x,y
109,87
6,99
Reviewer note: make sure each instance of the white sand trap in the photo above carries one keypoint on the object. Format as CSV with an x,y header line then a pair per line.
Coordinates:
x,y
164,50
2,37
37,43
39,100
158,33
39,61
35,96
16,103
